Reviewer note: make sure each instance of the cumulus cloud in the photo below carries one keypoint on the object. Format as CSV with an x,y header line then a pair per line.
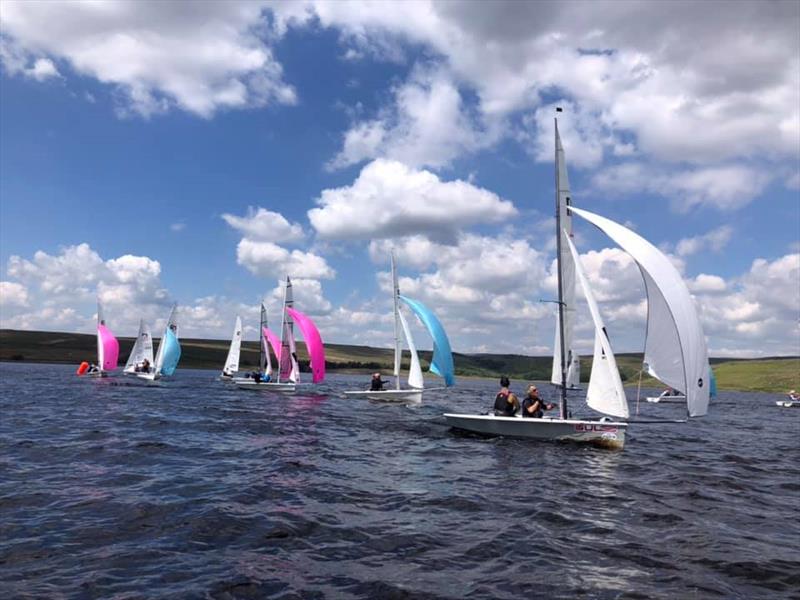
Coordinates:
x,y
427,125
266,259
265,226
197,57
715,240
389,199
13,294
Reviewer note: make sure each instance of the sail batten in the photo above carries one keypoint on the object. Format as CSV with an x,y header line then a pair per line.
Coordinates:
x,y
675,347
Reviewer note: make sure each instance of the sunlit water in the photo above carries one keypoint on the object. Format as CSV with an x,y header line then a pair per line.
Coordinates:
x,y
192,488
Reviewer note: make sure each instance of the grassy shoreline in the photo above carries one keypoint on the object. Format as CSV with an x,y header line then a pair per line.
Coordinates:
x,y
776,375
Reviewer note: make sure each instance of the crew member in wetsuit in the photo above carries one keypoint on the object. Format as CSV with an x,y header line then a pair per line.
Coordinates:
x,y
533,407
506,403
376,385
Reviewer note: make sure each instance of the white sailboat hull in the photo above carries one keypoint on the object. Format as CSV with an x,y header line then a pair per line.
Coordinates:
x,y
413,395
788,403
605,434
145,376
267,386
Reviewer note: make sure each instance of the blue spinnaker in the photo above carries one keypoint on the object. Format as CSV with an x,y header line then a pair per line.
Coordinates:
x,y
712,390
442,363
172,353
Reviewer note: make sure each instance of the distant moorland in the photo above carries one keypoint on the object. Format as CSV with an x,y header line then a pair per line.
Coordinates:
x,y
765,375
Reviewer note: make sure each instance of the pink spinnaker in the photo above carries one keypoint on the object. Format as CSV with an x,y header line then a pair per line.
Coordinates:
x,y
316,351
275,342
110,347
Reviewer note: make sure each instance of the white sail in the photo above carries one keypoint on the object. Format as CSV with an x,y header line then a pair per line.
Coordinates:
x,y
288,344
415,379
142,348
605,393
232,361
574,371
675,346
100,350
567,268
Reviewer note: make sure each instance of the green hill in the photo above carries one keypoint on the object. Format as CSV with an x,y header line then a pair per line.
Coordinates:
x,y
765,375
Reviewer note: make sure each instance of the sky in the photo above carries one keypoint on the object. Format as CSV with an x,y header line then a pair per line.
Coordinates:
x,y
160,152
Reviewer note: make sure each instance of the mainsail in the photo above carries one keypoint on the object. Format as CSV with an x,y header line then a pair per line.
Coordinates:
x,y
264,360
232,361
107,344
442,361
316,351
566,266
289,369
605,392
415,379
398,351
142,349
675,346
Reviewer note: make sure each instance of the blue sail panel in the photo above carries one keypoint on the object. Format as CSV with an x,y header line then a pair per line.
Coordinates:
x,y
172,353
442,363
712,391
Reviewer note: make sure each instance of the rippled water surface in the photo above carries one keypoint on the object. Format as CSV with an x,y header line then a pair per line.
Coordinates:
x,y
192,488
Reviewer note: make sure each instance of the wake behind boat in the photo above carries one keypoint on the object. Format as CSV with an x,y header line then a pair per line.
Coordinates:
x,y
673,327
441,363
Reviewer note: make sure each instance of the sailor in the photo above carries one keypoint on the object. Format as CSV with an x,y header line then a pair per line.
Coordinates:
x,y
376,385
145,368
506,404
533,406
794,396
93,368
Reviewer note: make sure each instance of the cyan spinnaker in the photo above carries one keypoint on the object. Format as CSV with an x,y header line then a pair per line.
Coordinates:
x,y
172,353
442,362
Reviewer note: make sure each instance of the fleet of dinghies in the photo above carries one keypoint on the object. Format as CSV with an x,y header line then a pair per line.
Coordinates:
x,y
441,362
675,347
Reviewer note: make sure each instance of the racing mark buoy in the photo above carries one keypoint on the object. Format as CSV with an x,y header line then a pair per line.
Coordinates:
x,y
84,366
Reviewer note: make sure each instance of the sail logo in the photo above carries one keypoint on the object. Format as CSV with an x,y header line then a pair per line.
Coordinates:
x,y
591,427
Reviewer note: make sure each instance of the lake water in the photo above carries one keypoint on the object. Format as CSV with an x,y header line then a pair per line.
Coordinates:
x,y
192,489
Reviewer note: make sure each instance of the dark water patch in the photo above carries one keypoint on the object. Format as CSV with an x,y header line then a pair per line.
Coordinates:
x,y
192,489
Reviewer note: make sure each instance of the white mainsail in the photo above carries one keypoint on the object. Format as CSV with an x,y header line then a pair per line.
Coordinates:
x,y
567,267
232,361
415,379
398,351
100,321
288,346
605,393
675,346
142,348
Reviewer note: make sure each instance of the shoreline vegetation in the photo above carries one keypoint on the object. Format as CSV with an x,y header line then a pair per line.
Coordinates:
x,y
776,375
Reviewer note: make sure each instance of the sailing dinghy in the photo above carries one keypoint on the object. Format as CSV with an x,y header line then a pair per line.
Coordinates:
x,y
232,360
169,350
265,338
442,362
107,347
140,362
675,347
288,375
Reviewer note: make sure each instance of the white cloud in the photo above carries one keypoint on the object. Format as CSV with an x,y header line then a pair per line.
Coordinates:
x,y
308,296
715,240
177,227
265,226
427,125
13,294
199,57
708,284
388,199
725,188
43,68
266,259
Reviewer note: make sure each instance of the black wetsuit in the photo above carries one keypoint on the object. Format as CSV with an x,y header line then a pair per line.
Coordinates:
x,y
377,385
504,406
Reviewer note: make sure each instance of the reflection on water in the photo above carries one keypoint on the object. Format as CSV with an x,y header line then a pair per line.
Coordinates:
x,y
115,487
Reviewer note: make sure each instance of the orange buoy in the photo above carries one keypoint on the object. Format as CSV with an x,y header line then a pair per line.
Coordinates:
x,y
84,366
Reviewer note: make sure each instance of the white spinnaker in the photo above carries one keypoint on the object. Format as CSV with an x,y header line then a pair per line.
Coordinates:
x,y
567,266
232,361
675,347
142,348
415,379
605,392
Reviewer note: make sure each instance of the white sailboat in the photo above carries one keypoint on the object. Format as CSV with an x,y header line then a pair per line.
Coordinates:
x,y
675,348
232,360
140,362
169,349
265,382
416,383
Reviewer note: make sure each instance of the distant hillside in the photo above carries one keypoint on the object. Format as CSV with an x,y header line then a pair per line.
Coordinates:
x,y
768,375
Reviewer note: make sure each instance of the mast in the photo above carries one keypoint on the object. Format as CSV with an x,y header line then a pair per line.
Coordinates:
x,y
283,331
563,407
262,359
397,350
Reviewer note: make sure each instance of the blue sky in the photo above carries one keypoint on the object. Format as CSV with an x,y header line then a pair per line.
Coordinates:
x,y
162,152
